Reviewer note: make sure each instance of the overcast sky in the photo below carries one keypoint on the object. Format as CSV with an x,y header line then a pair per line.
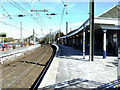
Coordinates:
x,y
42,23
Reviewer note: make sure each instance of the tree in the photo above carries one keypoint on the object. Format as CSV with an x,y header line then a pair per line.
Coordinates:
x,y
10,39
59,34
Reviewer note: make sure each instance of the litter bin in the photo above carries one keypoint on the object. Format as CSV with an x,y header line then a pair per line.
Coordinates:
x,y
118,70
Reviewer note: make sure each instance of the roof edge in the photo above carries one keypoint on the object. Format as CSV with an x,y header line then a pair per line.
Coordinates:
x,y
106,11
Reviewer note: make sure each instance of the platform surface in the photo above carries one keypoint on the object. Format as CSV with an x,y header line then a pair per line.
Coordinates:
x,y
70,70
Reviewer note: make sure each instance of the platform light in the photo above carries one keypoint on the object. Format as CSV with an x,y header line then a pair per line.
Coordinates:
x,y
88,30
77,35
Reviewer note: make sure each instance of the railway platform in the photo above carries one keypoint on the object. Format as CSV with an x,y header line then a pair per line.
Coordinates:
x,y
69,70
15,53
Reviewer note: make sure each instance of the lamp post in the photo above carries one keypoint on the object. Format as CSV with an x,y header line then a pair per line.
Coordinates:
x,y
21,41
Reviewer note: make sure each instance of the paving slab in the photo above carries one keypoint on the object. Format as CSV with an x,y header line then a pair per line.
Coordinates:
x,y
75,72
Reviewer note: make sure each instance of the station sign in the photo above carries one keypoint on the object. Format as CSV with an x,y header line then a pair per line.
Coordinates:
x,y
2,34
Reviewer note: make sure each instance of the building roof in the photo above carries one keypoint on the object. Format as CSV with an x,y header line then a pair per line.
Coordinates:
x,y
112,12
109,17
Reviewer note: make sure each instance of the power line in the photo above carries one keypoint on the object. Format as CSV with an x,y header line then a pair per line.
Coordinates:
x,y
41,4
5,10
63,2
62,18
10,25
25,3
17,27
23,10
65,5
36,13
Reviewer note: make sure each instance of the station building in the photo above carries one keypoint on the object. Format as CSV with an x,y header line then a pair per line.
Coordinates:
x,y
106,33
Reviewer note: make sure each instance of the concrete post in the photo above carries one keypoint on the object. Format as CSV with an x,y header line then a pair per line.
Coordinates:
x,y
104,44
118,69
84,42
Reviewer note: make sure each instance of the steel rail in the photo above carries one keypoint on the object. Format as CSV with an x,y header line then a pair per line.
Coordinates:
x,y
45,69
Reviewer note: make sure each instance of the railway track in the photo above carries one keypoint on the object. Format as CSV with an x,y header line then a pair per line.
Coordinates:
x,y
23,73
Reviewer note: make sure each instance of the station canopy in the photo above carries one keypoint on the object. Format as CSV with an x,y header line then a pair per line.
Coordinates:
x,y
113,12
110,19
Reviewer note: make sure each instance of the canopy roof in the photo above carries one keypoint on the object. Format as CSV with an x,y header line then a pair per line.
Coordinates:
x,y
113,12
108,19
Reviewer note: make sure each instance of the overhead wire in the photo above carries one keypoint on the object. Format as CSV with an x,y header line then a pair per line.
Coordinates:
x,y
25,3
62,18
10,25
41,4
23,10
63,2
17,27
10,19
63,13
16,7
37,14
13,20
5,10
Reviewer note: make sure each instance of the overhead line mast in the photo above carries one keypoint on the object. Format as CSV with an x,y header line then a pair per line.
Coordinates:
x,y
91,53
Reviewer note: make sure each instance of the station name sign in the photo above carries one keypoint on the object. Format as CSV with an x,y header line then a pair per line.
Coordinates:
x,y
2,34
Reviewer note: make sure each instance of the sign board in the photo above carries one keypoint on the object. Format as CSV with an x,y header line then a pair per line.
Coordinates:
x,y
2,34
